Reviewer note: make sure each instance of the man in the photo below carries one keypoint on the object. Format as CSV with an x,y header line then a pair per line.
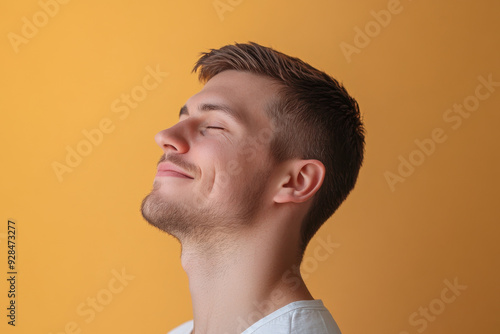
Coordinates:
x,y
261,157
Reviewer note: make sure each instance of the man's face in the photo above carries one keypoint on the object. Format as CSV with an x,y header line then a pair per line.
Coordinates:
x,y
216,163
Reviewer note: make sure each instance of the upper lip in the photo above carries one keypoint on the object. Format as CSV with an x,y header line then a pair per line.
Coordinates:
x,y
167,166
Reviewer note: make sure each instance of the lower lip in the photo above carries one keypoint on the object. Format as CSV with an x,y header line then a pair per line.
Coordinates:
x,y
171,173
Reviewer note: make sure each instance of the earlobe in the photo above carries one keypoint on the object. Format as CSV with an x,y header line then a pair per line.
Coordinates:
x,y
302,180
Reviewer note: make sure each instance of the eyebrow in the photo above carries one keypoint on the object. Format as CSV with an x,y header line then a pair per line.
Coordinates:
x,y
214,107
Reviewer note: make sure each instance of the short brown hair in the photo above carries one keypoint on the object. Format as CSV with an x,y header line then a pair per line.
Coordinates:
x,y
314,118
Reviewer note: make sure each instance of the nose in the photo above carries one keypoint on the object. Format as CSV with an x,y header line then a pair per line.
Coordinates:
x,y
173,139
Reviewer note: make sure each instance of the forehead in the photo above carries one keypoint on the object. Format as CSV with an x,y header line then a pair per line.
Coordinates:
x,y
247,94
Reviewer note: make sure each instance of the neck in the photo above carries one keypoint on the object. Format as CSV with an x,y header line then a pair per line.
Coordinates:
x,y
244,278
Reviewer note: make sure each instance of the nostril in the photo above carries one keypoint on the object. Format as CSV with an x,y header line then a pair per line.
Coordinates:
x,y
169,146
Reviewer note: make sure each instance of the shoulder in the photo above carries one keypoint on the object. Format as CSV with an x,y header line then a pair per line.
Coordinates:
x,y
185,328
305,316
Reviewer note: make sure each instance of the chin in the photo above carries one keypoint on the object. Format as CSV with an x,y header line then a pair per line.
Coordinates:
x,y
168,217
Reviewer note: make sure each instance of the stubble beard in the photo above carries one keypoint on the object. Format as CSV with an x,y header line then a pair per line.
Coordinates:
x,y
205,225
199,223
174,218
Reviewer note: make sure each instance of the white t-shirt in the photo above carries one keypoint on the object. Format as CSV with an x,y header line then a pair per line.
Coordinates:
x,y
300,317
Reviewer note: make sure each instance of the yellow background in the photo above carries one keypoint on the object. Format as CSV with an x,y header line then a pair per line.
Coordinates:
x,y
395,247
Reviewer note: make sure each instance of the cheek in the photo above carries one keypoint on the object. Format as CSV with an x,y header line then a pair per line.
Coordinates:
x,y
211,158
230,173
225,163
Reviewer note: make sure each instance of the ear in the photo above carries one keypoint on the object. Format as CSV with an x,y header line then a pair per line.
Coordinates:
x,y
301,180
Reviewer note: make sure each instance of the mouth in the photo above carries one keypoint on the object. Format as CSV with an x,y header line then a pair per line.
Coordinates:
x,y
169,169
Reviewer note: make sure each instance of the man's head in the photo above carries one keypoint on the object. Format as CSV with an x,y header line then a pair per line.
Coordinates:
x,y
287,112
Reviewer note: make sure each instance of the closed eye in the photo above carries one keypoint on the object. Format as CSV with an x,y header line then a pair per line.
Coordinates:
x,y
210,127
